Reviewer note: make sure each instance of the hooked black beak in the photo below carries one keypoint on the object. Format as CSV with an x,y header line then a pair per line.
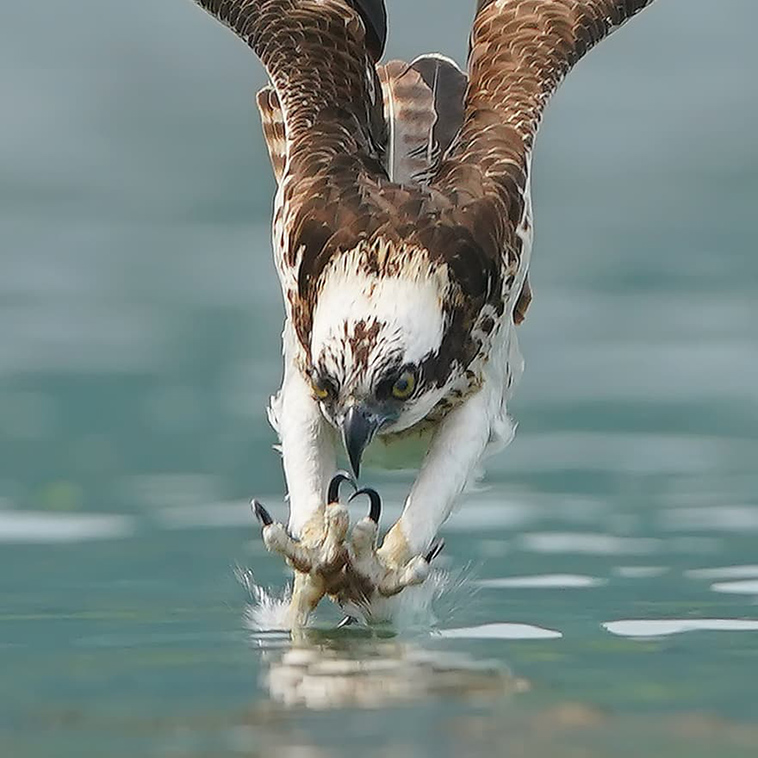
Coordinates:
x,y
358,429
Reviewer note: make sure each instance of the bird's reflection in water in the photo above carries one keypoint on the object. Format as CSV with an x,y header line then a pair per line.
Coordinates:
x,y
320,670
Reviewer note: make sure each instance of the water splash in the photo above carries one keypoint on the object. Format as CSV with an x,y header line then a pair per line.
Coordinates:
x,y
445,595
266,611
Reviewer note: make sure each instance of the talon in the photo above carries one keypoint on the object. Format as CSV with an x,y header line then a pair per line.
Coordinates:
x,y
347,621
341,477
435,549
375,510
263,516
395,581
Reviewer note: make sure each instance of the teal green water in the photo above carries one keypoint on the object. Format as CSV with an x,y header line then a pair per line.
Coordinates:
x,y
602,597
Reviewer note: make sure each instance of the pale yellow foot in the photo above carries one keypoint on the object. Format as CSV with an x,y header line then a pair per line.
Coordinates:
x,y
371,574
351,571
318,557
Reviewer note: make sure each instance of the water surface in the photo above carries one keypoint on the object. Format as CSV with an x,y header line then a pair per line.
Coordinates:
x,y
602,591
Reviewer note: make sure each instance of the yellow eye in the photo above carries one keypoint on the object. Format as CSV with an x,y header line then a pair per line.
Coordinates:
x,y
403,387
322,388
320,391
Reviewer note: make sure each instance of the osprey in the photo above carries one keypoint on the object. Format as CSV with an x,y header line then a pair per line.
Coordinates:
x,y
402,233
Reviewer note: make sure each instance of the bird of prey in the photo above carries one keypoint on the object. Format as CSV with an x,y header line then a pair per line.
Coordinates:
x,y
402,233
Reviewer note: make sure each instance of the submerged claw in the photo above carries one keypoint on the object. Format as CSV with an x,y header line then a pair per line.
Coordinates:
x,y
375,510
351,571
434,550
340,478
263,516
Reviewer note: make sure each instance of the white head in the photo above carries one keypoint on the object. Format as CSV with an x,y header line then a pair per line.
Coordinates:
x,y
375,348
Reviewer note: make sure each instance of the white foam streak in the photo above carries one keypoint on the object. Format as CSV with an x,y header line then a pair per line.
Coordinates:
x,y
544,581
501,632
665,628
29,527
737,588
588,543
724,572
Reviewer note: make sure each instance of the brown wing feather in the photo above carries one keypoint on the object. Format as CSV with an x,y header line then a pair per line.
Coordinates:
x,y
423,106
336,193
321,66
410,114
448,85
520,51
274,131
315,53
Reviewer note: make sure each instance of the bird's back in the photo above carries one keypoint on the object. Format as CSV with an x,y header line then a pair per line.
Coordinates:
x,y
423,108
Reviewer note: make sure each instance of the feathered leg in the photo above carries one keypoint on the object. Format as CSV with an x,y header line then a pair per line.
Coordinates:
x,y
308,453
411,545
456,449
313,543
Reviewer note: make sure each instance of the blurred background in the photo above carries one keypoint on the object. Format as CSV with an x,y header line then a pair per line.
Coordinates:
x,y
139,341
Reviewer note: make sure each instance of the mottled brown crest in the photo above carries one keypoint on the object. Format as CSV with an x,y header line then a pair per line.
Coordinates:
x,y
362,340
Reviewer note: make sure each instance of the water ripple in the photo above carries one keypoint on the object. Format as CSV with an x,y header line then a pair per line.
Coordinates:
x,y
667,627
501,632
41,528
544,581
590,543
737,588
724,572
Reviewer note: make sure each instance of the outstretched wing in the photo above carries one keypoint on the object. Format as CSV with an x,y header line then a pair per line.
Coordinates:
x,y
374,16
327,146
319,55
274,130
520,51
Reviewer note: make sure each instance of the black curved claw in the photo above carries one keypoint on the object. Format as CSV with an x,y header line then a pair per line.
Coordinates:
x,y
347,621
375,512
333,493
434,550
262,514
